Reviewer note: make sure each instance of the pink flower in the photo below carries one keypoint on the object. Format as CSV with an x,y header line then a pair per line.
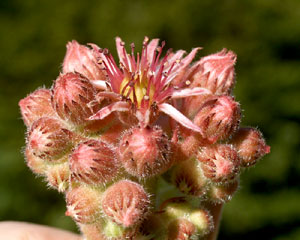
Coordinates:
x,y
145,84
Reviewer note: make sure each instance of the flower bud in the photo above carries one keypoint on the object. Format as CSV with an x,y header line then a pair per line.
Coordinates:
x,y
48,139
201,219
220,163
36,105
218,118
145,152
36,164
74,98
81,59
126,203
216,73
58,176
93,162
223,193
181,229
250,145
188,178
83,204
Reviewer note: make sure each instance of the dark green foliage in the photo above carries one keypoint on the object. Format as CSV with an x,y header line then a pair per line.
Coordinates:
x,y
264,34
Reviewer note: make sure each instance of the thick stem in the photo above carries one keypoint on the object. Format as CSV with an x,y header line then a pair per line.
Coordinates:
x,y
216,212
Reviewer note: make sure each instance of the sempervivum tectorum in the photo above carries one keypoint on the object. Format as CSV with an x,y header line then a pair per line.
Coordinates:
x,y
93,162
145,152
145,148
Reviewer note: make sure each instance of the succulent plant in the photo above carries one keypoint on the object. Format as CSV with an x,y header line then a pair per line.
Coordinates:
x,y
150,148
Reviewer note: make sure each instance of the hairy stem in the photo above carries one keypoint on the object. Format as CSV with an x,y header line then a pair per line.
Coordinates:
x,y
216,212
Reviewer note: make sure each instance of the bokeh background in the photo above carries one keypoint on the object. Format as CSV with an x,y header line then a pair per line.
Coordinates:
x,y
265,34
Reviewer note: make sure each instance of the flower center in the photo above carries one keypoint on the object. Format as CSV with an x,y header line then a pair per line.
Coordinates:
x,y
137,89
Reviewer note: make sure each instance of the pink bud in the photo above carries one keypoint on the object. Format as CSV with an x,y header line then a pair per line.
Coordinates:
x,y
83,204
223,193
219,163
36,164
126,203
81,59
58,176
218,118
93,162
181,229
145,152
216,72
250,145
74,98
49,139
36,105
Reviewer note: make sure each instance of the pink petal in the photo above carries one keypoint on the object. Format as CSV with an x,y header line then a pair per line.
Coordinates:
x,y
151,48
182,65
179,117
189,92
120,49
104,112
100,84
110,95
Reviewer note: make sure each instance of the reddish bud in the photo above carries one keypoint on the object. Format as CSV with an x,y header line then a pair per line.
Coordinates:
x,y
58,176
216,72
126,203
145,152
250,145
83,204
181,229
74,98
93,162
223,193
188,178
49,139
218,118
220,163
36,164
36,105
81,59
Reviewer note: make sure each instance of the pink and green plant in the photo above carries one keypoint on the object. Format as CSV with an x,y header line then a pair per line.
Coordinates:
x,y
150,148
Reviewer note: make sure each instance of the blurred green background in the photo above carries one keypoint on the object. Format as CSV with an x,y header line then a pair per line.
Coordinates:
x,y
265,34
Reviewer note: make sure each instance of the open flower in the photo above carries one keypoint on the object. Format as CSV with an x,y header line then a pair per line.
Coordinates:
x,y
144,84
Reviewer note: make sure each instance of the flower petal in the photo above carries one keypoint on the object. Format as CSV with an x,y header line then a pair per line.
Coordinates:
x,y
179,117
100,84
151,48
189,92
104,112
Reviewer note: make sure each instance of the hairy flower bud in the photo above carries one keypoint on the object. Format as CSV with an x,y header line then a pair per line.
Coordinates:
x,y
36,164
74,98
49,139
81,59
250,145
216,72
220,163
223,193
145,152
126,203
181,229
36,105
83,204
58,176
201,219
218,118
93,162
188,178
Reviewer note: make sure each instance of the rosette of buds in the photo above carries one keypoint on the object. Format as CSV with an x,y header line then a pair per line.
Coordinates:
x,y
146,147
